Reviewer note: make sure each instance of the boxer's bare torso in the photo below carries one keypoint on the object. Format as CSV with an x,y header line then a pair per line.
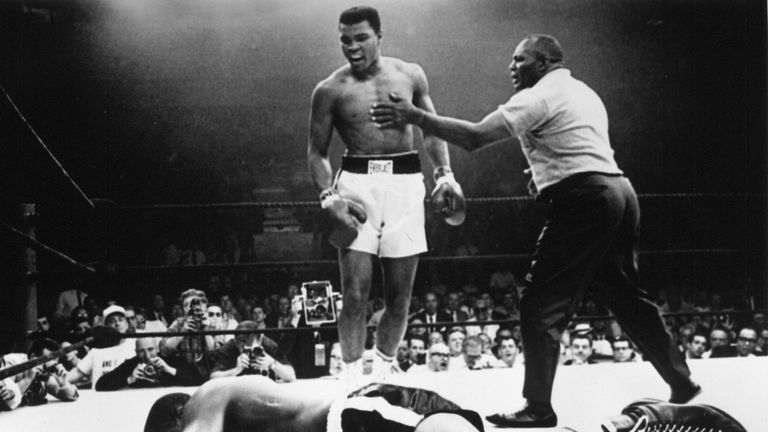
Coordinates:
x,y
254,403
347,97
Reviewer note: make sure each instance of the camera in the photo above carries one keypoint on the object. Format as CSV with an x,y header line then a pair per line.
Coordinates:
x,y
318,302
52,369
197,311
253,354
150,371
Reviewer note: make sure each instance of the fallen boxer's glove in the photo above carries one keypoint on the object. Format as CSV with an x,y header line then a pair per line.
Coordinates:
x,y
345,216
652,415
448,198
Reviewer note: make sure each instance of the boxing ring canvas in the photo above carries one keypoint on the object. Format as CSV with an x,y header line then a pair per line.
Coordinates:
x,y
583,395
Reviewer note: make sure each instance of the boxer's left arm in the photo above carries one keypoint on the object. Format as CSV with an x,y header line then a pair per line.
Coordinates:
x,y
447,197
436,148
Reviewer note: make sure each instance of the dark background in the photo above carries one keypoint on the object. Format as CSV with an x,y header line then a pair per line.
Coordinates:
x,y
202,101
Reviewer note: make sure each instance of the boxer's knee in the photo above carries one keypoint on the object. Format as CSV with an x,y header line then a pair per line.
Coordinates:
x,y
354,303
397,301
396,312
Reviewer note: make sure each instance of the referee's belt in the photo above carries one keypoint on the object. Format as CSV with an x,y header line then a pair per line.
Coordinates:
x,y
402,163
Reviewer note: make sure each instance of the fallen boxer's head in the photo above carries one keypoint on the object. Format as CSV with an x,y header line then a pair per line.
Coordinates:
x,y
165,414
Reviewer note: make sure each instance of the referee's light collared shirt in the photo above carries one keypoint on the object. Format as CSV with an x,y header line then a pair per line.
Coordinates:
x,y
562,126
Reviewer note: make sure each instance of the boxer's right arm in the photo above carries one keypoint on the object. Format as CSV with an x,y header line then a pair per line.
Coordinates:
x,y
344,215
320,132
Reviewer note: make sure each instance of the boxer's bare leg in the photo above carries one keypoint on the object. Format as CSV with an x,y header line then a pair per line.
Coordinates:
x,y
399,274
356,274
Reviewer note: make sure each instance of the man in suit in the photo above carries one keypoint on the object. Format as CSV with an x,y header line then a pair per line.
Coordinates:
x,y
454,307
432,312
744,347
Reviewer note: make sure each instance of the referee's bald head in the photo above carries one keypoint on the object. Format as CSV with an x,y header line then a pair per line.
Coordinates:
x,y
545,47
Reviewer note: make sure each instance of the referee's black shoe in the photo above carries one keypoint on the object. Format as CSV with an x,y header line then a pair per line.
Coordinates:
x,y
533,415
684,394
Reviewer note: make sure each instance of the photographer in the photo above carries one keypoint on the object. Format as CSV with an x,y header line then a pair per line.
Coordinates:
x,y
146,369
31,387
191,348
250,354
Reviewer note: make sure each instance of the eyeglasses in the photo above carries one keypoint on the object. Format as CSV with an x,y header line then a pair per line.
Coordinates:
x,y
746,339
214,314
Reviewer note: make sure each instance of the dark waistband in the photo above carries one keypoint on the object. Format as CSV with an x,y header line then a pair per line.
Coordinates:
x,y
564,185
404,163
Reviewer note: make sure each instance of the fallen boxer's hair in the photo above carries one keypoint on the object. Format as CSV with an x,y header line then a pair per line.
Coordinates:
x,y
165,414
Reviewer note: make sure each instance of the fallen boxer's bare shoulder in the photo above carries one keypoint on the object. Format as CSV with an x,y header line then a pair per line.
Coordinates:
x,y
253,403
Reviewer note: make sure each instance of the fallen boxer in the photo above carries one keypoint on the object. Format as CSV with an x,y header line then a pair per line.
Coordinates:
x,y
255,403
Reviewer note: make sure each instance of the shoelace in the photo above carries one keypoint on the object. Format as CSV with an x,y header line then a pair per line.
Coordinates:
x,y
681,428
643,426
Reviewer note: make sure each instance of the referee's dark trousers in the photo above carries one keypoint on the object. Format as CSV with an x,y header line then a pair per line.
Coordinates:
x,y
589,242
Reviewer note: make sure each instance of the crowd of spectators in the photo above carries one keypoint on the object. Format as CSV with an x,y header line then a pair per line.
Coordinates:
x,y
449,330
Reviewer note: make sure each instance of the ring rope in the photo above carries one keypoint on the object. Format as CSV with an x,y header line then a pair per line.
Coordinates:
x,y
110,334
46,149
446,324
42,247
296,204
45,358
428,259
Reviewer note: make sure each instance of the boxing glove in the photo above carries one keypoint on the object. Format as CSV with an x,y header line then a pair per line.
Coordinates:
x,y
345,216
656,415
448,198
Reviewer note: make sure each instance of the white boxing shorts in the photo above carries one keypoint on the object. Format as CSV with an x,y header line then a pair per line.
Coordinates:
x,y
391,189
381,407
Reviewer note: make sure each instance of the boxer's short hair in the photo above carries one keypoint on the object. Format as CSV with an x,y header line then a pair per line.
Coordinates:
x,y
359,14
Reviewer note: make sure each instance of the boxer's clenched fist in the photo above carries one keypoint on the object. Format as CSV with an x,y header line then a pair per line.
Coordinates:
x,y
448,198
345,215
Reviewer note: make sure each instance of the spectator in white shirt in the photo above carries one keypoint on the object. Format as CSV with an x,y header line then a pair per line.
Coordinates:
x,y
98,361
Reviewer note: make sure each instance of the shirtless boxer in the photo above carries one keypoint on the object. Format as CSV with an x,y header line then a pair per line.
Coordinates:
x,y
254,403
376,199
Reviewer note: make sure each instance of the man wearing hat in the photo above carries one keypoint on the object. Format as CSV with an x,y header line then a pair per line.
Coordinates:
x,y
99,361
